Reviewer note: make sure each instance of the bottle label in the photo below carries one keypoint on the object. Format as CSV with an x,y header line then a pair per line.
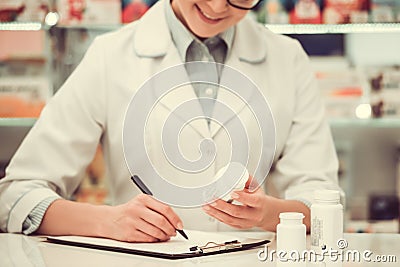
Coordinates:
x,y
316,232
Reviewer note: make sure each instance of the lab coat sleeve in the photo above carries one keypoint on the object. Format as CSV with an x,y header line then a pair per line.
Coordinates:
x,y
53,157
308,160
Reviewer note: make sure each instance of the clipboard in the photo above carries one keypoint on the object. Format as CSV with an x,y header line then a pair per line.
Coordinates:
x,y
165,250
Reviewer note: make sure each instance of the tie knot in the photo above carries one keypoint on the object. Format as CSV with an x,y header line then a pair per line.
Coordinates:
x,y
212,49
213,42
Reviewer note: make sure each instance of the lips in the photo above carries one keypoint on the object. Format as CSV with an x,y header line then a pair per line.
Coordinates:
x,y
207,17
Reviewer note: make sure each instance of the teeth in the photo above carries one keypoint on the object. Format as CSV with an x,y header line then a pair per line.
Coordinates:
x,y
208,16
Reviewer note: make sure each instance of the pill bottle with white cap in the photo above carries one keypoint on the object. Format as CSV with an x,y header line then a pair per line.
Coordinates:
x,y
291,232
326,221
239,173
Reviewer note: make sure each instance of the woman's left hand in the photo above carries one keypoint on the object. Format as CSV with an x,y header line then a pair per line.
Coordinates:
x,y
257,210
256,207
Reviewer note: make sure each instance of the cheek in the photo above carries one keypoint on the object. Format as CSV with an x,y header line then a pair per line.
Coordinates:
x,y
236,18
240,15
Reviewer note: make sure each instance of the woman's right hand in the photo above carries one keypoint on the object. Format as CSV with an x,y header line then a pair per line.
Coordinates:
x,y
142,219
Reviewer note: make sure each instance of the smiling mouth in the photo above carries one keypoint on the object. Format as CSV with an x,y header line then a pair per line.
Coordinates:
x,y
207,16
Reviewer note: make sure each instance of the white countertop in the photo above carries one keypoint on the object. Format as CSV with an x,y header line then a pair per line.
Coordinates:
x,y
20,250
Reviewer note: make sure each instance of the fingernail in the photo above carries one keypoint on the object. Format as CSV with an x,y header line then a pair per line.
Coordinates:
x,y
207,208
234,195
179,226
213,204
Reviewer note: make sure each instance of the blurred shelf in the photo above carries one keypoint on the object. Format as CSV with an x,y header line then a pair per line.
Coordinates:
x,y
20,122
287,28
21,26
277,28
334,28
99,27
367,123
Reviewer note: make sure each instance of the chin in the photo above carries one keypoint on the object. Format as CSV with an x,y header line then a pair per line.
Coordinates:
x,y
205,33
204,36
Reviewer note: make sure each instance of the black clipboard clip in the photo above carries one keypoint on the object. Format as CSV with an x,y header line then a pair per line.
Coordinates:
x,y
213,247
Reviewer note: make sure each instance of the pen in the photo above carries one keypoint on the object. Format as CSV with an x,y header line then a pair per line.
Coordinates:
x,y
139,183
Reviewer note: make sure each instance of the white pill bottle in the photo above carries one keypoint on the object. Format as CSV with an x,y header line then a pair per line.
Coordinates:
x,y
291,233
326,221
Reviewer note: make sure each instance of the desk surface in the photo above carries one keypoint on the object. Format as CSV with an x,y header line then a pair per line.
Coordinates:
x,y
20,250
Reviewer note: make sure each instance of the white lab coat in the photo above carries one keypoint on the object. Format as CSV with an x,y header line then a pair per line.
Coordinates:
x,y
91,105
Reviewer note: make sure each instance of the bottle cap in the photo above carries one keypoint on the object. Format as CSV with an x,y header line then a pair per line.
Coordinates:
x,y
292,216
235,169
327,195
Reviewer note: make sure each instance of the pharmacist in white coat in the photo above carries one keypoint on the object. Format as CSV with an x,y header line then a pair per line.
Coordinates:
x,y
91,105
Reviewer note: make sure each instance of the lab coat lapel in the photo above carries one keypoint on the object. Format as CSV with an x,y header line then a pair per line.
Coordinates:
x,y
182,94
244,58
154,45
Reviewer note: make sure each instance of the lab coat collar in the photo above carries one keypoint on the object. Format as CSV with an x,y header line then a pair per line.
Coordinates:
x,y
153,40
153,37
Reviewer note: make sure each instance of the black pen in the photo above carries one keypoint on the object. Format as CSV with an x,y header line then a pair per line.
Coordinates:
x,y
139,183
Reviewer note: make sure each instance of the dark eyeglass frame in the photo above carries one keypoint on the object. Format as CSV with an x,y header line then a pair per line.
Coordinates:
x,y
244,8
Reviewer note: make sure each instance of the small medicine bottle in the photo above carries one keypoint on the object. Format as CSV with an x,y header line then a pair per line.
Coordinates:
x,y
326,220
291,232
237,169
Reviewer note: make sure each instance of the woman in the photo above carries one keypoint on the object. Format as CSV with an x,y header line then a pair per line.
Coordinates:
x,y
90,108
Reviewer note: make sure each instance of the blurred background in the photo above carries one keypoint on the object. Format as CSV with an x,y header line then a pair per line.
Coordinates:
x,y
354,49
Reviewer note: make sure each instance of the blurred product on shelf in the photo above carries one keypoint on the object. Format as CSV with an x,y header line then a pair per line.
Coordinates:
x,y
385,91
24,84
134,9
358,92
385,11
89,12
23,97
21,45
345,11
111,12
306,12
328,11
383,215
10,10
274,12
383,207
23,10
342,87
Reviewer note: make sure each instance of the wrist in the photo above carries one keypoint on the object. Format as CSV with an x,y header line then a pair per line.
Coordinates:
x,y
274,206
64,217
104,215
